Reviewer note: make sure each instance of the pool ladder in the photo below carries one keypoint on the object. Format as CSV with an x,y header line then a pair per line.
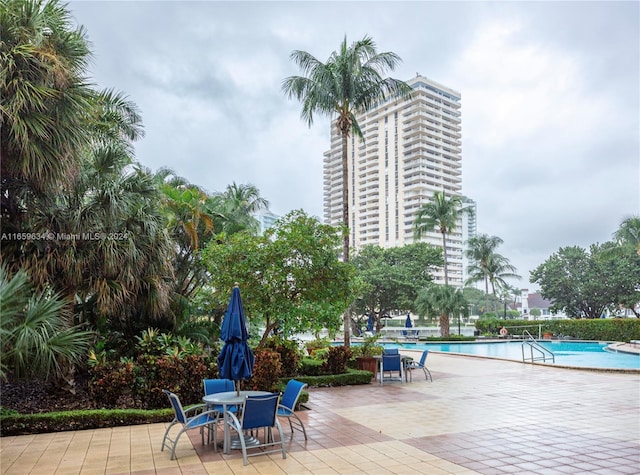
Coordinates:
x,y
541,353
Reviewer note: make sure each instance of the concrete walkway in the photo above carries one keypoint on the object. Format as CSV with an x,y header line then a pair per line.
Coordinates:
x,y
478,416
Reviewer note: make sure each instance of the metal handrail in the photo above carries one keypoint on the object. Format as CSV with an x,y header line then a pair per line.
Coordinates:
x,y
533,344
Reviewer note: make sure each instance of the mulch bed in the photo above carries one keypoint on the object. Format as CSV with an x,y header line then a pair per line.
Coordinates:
x,y
35,396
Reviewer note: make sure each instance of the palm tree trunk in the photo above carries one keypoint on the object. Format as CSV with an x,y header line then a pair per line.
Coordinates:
x,y
486,293
346,319
444,255
444,325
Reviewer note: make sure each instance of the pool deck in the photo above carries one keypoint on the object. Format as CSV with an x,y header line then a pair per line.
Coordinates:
x,y
633,348
478,416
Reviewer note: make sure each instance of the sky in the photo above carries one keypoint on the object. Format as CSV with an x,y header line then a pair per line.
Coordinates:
x,y
550,101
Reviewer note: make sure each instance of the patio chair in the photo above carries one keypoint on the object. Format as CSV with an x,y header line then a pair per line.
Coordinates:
x,y
390,351
287,405
259,412
420,365
213,386
201,419
391,364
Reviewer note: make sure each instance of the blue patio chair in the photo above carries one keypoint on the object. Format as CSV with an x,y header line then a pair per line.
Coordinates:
x,y
213,386
201,419
390,351
391,364
420,365
259,412
287,405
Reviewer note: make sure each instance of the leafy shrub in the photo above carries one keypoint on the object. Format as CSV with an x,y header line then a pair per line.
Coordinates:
x,y
336,361
318,344
111,383
163,362
289,354
320,354
182,376
311,367
267,370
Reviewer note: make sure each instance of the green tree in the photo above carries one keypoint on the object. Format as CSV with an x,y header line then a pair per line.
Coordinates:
x,y
584,283
44,104
499,270
68,177
441,214
37,336
290,278
191,218
480,250
485,264
237,206
476,299
443,301
109,249
348,84
628,234
392,277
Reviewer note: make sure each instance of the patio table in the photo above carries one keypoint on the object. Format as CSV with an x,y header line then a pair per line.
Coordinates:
x,y
226,400
405,360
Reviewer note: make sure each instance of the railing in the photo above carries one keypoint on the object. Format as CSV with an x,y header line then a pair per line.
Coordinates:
x,y
541,353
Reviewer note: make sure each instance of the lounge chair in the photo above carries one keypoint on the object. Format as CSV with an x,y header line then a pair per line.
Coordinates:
x,y
287,405
420,365
201,419
390,364
214,386
259,412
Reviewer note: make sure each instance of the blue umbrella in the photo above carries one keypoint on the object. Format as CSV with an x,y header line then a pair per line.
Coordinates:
x,y
370,323
408,323
235,360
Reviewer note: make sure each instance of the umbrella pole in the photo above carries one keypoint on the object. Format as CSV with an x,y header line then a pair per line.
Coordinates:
x,y
238,387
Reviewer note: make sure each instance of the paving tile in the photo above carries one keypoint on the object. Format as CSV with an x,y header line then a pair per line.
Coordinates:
x,y
478,416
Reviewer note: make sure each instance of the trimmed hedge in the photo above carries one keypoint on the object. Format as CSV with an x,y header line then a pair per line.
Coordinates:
x,y
601,329
351,377
22,424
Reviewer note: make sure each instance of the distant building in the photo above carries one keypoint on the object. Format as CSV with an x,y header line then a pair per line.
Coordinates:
x,y
535,300
266,219
469,230
411,149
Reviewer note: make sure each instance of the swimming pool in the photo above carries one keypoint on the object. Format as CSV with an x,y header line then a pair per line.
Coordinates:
x,y
589,354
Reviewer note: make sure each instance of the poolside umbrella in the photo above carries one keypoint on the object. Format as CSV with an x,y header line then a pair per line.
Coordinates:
x,y
408,323
235,360
370,323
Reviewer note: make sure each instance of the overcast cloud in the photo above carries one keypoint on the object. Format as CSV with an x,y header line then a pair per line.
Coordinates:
x,y
550,100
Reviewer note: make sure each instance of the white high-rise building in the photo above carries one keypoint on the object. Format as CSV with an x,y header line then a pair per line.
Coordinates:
x,y
469,230
411,149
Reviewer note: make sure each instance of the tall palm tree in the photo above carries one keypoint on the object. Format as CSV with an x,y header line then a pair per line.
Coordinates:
x,y
629,232
237,206
190,217
441,214
499,269
444,301
348,84
44,103
480,250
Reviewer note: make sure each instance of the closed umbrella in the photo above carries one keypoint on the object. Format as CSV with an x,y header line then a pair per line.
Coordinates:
x,y
235,360
408,323
370,323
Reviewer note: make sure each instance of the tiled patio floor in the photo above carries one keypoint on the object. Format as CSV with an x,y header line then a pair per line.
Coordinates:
x,y
478,416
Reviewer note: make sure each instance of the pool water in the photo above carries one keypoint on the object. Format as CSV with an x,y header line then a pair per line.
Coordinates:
x,y
579,354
